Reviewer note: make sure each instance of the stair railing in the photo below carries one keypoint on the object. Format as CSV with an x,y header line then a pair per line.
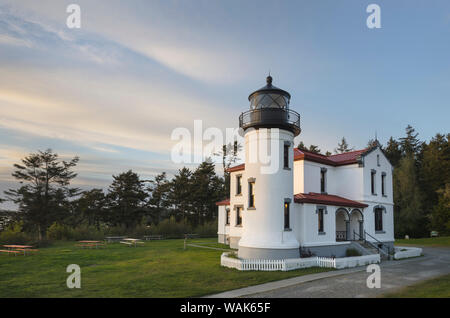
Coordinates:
x,y
378,241
366,241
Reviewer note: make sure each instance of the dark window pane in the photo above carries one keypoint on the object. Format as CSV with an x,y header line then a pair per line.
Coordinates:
x,y
238,216
378,219
322,181
238,185
286,156
286,215
320,215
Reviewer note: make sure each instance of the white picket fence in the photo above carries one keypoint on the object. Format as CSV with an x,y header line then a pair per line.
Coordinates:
x,y
326,262
295,263
262,265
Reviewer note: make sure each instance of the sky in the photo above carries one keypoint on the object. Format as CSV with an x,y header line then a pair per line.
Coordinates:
x,y
113,91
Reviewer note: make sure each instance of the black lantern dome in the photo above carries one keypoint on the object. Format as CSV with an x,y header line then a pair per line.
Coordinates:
x,y
269,96
269,108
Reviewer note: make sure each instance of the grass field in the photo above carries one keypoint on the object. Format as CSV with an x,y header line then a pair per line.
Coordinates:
x,y
157,269
443,241
433,288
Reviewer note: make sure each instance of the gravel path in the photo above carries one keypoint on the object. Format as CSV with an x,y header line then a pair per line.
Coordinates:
x,y
394,275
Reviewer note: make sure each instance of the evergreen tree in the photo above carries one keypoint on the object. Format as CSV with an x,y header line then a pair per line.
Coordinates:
x,y
372,143
440,217
408,213
179,196
410,144
343,147
44,197
301,146
158,203
393,152
314,148
207,189
435,168
90,208
126,199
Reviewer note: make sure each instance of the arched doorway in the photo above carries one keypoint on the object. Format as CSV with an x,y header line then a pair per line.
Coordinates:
x,y
356,225
342,225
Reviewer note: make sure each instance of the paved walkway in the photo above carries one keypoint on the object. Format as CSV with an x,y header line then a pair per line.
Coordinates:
x,y
352,282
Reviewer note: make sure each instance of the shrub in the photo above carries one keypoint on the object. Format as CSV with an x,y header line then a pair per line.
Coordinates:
x,y
82,232
58,231
352,252
233,255
13,234
171,228
206,230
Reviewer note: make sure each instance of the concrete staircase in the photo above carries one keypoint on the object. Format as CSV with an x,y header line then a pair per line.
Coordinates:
x,y
366,249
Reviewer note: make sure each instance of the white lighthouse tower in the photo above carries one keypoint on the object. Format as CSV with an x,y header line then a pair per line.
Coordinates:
x,y
267,186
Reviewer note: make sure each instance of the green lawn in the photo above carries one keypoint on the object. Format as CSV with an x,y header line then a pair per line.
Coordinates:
x,y
433,288
157,269
443,241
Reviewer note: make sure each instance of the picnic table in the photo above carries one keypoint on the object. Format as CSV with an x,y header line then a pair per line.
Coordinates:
x,y
110,239
18,248
131,241
90,243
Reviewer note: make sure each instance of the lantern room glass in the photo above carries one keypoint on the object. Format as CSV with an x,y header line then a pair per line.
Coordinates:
x,y
269,100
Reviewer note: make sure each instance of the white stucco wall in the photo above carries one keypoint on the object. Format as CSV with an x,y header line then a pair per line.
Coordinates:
x,y
264,225
307,225
223,229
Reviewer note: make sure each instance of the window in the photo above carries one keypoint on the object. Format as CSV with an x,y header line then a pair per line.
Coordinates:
x,y
372,181
227,217
238,185
320,215
286,216
323,175
383,181
378,219
378,160
286,156
238,216
251,194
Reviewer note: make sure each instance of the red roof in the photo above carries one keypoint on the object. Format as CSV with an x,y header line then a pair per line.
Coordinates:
x,y
237,168
223,202
327,199
333,160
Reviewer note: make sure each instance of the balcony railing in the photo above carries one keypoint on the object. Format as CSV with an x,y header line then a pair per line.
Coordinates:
x,y
341,235
271,118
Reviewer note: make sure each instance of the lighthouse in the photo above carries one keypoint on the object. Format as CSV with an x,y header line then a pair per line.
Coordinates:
x,y
269,129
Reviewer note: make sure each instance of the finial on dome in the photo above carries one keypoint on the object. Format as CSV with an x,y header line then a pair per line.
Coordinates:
x,y
269,79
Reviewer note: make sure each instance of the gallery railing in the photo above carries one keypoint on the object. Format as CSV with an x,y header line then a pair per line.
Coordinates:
x,y
271,117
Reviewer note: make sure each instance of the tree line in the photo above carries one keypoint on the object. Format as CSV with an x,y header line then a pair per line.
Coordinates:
x,y
45,196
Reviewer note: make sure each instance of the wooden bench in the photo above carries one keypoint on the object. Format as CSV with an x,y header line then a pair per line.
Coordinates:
x,y
10,252
127,243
